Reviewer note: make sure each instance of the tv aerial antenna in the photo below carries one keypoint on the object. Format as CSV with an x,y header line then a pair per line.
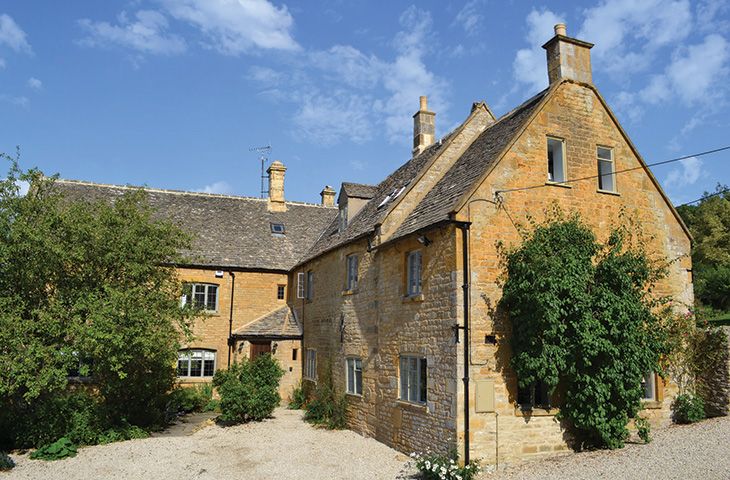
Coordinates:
x,y
264,157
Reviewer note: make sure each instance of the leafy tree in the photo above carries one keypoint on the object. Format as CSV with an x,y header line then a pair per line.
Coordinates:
x,y
249,389
709,223
583,323
85,286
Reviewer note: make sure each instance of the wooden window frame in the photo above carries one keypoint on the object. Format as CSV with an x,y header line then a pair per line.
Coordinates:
x,y
300,285
353,366
611,175
310,364
564,148
414,288
281,292
206,295
352,265
418,393
203,352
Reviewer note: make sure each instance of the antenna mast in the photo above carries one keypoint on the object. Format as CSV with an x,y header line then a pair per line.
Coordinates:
x,y
264,157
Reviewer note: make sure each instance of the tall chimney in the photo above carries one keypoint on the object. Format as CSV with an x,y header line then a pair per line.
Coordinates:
x,y
276,186
424,127
568,57
328,196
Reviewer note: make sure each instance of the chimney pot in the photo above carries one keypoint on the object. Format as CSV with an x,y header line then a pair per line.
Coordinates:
x,y
424,103
328,196
560,29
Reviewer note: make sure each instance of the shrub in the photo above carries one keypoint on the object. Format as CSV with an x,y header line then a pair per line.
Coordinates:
x,y
298,398
444,467
6,463
61,448
190,399
326,407
249,390
711,362
583,323
212,405
688,408
643,428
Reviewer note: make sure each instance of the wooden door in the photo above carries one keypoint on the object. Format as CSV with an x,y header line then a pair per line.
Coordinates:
x,y
259,348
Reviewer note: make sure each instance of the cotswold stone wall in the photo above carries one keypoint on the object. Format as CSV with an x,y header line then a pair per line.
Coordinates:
x,y
254,296
377,323
576,115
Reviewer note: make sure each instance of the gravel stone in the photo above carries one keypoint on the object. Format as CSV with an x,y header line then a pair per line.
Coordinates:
x,y
698,451
283,447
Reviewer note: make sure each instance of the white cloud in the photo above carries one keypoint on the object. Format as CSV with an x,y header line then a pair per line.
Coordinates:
x,y
627,33
333,117
469,17
530,64
19,101
265,75
221,187
23,187
12,35
234,27
694,71
147,34
627,105
349,65
689,171
35,84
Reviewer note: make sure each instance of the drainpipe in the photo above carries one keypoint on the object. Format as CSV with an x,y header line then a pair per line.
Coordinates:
x,y
464,227
230,318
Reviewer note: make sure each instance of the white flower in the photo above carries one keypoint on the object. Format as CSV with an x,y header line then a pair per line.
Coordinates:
x,y
428,464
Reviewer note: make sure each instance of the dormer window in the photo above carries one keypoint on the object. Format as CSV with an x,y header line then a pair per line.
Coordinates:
x,y
278,228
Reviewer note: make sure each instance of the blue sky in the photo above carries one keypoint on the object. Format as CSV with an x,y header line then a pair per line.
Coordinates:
x,y
174,93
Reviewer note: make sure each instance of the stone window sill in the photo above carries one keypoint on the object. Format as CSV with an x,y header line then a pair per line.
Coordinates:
x,y
608,192
416,407
558,184
651,404
413,298
354,396
535,412
349,292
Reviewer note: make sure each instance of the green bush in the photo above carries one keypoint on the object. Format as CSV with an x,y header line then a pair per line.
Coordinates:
x,y
711,369
6,463
249,390
61,448
326,407
688,408
444,467
212,405
190,399
298,398
643,428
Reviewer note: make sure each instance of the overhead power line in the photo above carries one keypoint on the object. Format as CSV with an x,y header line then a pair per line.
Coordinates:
x,y
573,180
709,195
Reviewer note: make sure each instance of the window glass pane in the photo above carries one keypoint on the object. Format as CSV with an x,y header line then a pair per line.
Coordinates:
x,y
555,152
605,171
199,296
183,364
196,367
403,378
212,298
280,292
423,381
413,379
649,386
604,153
358,376
209,368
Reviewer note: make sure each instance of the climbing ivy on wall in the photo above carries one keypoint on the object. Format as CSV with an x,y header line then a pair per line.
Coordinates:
x,y
582,322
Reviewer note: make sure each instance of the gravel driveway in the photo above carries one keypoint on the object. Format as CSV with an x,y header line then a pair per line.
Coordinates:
x,y
283,447
699,451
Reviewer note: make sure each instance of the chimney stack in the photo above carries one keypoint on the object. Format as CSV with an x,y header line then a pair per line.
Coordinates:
x,y
276,187
568,57
424,127
328,196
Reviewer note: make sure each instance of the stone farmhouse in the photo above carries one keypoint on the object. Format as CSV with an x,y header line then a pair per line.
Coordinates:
x,y
391,293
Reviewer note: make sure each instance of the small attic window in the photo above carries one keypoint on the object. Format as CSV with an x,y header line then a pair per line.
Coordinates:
x,y
277,228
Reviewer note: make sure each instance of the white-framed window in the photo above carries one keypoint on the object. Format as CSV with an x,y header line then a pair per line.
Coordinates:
x,y
300,285
556,160
310,364
352,264
413,277
648,385
201,295
606,177
310,285
413,379
354,375
195,363
280,292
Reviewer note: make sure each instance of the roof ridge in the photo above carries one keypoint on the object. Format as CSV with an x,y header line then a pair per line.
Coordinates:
x,y
180,192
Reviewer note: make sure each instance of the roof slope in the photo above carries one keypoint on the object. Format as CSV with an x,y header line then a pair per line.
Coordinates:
x,y
478,157
358,190
370,215
281,323
228,231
